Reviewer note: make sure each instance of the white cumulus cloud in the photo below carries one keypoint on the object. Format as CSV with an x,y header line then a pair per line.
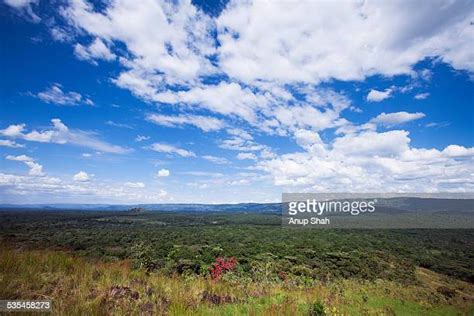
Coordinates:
x,y
25,7
245,156
61,134
216,160
390,119
163,173
35,168
170,149
10,143
377,96
205,123
135,185
81,176
422,96
96,50
56,95
373,161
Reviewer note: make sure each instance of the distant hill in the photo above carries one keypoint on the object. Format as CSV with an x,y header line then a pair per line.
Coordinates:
x,y
241,207
431,205
386,205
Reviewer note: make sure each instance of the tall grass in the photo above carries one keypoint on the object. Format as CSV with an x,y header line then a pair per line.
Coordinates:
x,y
78,286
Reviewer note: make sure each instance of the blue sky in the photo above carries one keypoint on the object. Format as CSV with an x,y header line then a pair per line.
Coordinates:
x,y
225,102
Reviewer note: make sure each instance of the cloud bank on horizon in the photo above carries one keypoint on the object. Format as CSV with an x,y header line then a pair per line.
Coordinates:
x,y
159,101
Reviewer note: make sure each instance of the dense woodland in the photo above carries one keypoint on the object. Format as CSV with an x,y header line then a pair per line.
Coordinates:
x,y
189,243
139,262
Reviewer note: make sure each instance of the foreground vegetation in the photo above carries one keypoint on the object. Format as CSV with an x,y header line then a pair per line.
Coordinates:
x,y
165,263
78,286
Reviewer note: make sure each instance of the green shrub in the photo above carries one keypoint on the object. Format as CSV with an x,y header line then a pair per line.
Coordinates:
x,y
142,256
317,309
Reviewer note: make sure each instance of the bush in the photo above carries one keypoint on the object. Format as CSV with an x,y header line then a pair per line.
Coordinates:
x,y
222,266
142,256
317,309
446,291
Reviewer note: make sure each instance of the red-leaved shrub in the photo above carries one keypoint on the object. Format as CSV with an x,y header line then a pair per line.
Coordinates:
x,y
221,266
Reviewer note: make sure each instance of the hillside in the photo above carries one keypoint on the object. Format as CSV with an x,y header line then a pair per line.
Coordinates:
x,y
79,286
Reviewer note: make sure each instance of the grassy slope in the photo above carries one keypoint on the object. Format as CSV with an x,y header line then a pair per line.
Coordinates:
x,y
78,286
